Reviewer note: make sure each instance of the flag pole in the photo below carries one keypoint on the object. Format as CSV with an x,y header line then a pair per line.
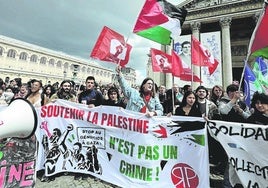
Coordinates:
x,y
192,71
243,72
172,83
118,63
251,42
80,85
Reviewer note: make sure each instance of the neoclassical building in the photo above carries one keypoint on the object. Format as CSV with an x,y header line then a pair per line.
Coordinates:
x,y
234,19
28,61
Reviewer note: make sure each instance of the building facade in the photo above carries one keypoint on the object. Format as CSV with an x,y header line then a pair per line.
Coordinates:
x,y
234,19
27,61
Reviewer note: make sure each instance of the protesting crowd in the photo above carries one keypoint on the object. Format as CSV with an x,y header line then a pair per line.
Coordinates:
x,y
153,100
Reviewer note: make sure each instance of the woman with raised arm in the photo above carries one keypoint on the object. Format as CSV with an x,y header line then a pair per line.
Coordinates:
x,y
144,100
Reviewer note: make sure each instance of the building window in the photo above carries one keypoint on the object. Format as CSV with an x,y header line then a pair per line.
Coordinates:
x,y
11,53
43,60
66,66
51,62
33,58
1,51
88,70
84,69
59,63
23,56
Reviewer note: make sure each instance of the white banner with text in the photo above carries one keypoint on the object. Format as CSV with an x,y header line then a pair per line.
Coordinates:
x,y
246,147
123,147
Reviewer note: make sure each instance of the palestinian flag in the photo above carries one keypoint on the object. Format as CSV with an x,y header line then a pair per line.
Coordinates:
x,y
259,40
160,21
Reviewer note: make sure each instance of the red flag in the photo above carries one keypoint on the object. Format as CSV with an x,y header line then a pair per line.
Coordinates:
x,y
258,45
182,70
161,62
111,47
176,64
202,56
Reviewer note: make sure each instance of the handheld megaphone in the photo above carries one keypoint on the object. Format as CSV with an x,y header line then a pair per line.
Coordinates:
x,y
18,119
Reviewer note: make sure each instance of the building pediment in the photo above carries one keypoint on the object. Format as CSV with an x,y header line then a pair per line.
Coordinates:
x,y
200,3
211,10
197,4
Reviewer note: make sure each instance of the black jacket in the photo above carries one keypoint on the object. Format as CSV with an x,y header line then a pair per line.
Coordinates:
x,y
258,118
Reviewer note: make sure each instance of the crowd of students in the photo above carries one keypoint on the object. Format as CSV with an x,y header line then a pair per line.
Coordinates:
x,y
214,104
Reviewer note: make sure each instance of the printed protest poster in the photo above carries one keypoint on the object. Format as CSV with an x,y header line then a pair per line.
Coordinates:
x,y
212,42
17,160
123,147
246,147
182,46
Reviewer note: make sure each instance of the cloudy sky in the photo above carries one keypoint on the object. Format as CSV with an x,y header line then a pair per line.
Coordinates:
x,y
73,26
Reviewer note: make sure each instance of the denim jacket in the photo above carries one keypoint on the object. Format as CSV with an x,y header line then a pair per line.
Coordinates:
x,y
136,102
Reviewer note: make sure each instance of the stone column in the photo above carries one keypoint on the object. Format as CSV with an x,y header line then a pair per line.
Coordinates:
x,y
227,72
156,76
195,27
257,16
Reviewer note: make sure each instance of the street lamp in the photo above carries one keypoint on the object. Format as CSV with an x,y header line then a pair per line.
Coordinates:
x,y
64,74
75,71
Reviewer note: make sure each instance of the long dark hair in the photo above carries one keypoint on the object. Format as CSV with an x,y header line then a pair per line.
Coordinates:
x,y
113,89
184,100
51,88
142,84
213,96
263,98
62,94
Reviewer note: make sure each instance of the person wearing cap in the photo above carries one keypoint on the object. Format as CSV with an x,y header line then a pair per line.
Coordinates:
x,y
209,110
231,107
259,103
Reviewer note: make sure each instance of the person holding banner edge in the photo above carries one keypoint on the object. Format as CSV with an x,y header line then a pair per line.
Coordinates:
x,y
144,100
232,109
92,98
